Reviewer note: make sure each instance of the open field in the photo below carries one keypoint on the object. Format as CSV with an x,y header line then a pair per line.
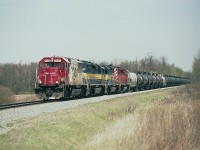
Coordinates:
x,y
153,120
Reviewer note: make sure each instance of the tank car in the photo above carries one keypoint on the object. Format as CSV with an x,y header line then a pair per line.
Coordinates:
x,y
139,81
145,83
133,81
163,81
153,86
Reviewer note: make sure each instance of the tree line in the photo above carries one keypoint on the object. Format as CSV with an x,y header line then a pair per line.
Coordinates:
x,y
196,68
150,64
20,78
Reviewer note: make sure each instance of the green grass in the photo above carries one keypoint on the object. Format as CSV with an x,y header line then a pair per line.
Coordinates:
x,y
73,128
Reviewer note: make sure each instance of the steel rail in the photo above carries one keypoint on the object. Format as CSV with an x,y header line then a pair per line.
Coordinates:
x,y
13,105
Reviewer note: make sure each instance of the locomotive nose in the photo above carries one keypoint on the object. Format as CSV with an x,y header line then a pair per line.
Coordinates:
x,y
53,77
50,77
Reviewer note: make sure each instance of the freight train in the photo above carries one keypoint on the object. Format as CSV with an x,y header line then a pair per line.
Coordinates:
x,y
62,78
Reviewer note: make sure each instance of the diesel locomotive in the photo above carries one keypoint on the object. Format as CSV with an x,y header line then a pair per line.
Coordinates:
x,y
62,77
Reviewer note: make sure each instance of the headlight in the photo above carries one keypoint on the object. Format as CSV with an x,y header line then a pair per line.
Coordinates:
x,y
56,82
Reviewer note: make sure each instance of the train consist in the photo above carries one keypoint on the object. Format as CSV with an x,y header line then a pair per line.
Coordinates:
x,y
62,77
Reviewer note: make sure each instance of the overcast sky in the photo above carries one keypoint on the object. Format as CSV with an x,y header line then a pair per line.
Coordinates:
x,y
101,30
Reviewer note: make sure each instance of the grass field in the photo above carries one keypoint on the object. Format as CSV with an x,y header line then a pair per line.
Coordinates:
x,y
154,120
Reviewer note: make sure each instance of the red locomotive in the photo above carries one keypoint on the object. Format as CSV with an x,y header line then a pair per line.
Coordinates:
x,y
52,74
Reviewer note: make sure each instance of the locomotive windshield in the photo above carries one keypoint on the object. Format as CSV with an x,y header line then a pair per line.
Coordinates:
x,y
52,64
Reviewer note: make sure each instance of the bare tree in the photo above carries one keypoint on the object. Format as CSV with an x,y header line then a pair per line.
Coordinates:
x,y
196,67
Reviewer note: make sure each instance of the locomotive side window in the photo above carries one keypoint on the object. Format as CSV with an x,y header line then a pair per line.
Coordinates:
x,y
94,70
108,71
104,71
111,72
89,69
99,70
64,66
41,66
86,68
80,69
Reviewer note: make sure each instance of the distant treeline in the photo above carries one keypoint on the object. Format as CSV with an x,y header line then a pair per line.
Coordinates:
x,y
151,64
196,68
20,78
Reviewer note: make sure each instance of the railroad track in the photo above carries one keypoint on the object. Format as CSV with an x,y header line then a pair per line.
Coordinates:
x,y
13,105
21,104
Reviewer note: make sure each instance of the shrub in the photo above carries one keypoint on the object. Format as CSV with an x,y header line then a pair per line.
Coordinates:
x,y
6,95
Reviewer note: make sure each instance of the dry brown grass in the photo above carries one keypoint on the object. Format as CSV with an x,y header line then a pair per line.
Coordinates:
x,y
6,95
173,123
25,98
